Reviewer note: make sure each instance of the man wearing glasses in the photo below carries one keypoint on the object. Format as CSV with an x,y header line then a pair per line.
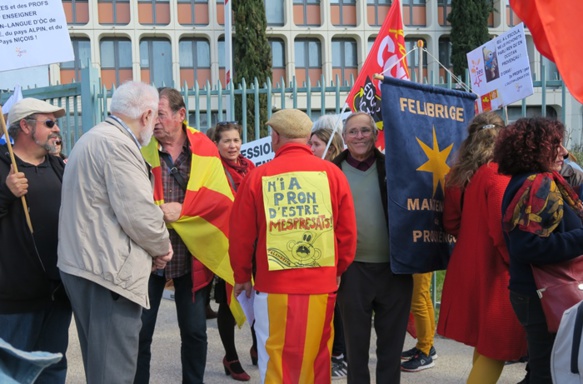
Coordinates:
x,y
34,310
369,286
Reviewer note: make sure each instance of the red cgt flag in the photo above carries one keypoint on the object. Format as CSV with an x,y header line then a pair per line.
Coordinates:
x,y
388,49
556,29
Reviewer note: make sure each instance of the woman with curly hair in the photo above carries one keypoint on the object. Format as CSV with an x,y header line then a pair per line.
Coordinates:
x,y
541,222
475,307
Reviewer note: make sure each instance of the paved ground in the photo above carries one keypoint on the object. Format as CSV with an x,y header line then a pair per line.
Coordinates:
x,y
452,366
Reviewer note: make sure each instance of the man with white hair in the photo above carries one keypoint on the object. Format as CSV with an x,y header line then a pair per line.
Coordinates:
x,y
34,309
111,234
369,285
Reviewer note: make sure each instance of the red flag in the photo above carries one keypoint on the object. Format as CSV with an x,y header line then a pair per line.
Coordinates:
x,y
388,49
556,29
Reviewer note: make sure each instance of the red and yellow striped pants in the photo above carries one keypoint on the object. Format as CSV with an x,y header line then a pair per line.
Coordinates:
x,y
294,337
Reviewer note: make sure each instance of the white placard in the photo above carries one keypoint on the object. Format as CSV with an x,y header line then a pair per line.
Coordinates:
x,y
33,33
258,151
500,70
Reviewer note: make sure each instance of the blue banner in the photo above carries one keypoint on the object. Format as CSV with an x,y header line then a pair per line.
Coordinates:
x,y
424,127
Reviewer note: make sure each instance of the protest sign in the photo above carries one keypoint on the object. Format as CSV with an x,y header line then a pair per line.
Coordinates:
x,y
33,33
258,151
500,70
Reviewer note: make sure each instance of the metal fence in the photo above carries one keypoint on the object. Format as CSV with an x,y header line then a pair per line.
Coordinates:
x,y
86,103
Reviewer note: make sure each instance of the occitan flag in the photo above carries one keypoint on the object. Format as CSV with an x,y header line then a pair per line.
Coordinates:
x,y
204,221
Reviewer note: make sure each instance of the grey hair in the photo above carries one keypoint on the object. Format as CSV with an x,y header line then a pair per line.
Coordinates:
x,y
14,128
133,98
328,121
372,123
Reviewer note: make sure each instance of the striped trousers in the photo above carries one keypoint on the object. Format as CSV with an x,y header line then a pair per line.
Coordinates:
x,y
294,337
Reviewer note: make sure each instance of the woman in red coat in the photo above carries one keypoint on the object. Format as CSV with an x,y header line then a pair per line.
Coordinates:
x,y
227,136
475,304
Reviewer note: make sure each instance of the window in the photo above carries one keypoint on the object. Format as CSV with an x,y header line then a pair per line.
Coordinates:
x,y
511,18
274,12
154,12
277,60
156,62
193,12
414,13
116,61
444,58
344,60
370,43
550,68
413,58
307,12
71,70
114,11
76,11
377,11
223,61
443,9
308,61
343,12
195,61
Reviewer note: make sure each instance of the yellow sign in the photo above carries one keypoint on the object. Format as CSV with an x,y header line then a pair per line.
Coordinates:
x,y
300,226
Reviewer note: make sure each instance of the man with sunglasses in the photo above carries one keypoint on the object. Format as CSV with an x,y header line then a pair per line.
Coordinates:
x,y
35,312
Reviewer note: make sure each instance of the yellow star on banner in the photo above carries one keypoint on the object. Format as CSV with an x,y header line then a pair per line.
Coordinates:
x,y
436,161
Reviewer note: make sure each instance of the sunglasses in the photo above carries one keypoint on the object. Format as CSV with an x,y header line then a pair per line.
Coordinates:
x,y
58,142
48,123
224,123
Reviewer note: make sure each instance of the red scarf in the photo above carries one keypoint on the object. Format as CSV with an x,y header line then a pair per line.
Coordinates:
x,y
238,170
537,207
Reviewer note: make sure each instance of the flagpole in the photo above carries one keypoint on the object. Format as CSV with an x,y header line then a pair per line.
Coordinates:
x,y
15,168
420,49
228,56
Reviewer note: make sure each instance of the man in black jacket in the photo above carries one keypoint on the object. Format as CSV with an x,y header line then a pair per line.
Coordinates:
x,y
34,310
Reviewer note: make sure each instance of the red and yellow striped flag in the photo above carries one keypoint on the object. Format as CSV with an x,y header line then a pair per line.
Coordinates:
x,y
204,221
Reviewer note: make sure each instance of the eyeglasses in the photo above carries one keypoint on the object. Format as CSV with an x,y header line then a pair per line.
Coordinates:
x,y
48,123
365,132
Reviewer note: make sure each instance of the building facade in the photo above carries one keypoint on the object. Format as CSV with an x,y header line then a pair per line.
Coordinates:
x,y
177,42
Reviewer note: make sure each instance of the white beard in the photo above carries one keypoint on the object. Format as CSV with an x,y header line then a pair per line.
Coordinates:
x,y
146,135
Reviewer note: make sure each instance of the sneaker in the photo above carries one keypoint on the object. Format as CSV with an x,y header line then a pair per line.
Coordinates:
x,y
417,363
410,353
339,368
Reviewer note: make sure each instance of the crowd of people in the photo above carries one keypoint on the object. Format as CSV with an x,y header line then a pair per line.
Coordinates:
x,y
306,236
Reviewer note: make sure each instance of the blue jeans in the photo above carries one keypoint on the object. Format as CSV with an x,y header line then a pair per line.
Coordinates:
x,y
190,310
43,330
17,366
530,314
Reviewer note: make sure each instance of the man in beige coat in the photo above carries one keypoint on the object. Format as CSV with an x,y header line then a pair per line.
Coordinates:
x,y
111,234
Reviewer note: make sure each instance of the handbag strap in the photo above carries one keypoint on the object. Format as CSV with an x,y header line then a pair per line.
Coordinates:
x,y
174,171
576,340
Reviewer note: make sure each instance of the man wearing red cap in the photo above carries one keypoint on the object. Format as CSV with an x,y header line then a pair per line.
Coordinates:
x,y
34,310
293,228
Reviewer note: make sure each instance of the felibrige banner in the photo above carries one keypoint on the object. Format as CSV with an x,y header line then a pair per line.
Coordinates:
x,y
424,127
